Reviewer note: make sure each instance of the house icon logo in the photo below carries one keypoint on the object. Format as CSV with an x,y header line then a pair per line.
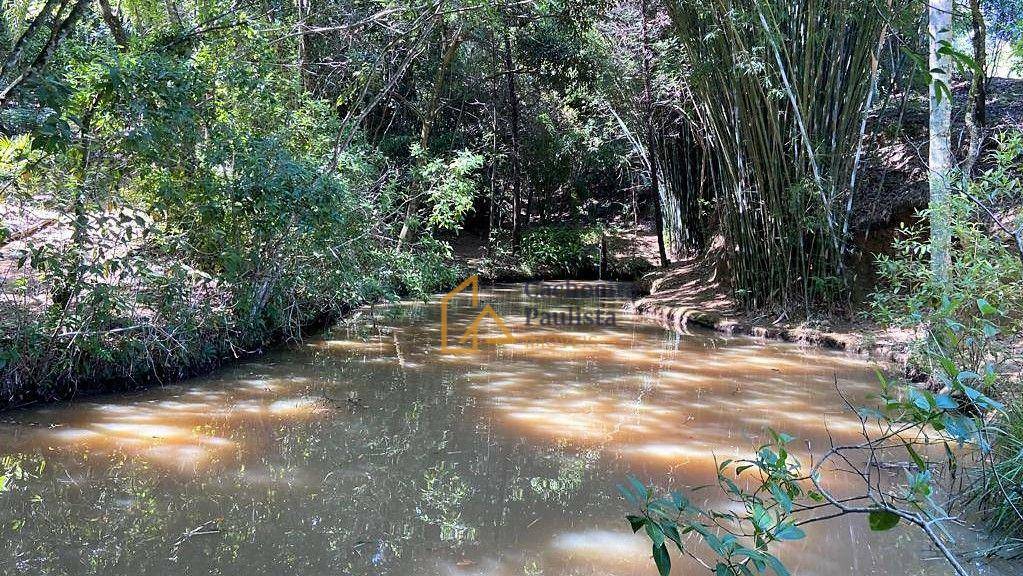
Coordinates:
x,y
470,340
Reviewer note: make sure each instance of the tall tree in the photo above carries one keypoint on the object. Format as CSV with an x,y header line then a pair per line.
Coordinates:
x,y
513,104
114,23
940,150
651,144
428,117
303,9
976,109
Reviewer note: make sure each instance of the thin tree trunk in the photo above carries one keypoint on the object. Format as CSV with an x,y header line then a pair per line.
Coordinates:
x,y
59,31
18,49
940,150
531,203
648,105
113,21
429,117
66,292
493,219
304,71
513,103
173,13
5,33
976,109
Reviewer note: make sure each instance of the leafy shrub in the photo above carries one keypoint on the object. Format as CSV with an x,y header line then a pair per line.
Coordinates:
x,y
205,224
558,251
423,271
773,496
986,271
450,186
999,488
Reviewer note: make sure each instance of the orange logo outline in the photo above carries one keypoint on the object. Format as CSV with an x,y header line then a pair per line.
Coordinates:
x,y
472,332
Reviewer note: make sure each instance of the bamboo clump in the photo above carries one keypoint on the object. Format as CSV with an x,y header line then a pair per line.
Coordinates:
x,y
780,88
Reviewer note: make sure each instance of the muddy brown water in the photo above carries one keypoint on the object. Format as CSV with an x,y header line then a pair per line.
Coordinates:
x,y
369,451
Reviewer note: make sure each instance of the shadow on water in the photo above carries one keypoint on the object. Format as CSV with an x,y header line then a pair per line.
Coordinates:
x,y
368,451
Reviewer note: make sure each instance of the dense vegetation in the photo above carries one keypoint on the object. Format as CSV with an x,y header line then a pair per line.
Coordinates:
x,y
185,182
952,277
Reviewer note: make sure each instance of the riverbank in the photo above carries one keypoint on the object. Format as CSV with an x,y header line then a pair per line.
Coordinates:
x,y
690,294
76,322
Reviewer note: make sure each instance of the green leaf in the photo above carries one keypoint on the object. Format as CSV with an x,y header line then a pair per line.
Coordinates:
x,y
881,520
967,376
636,522
638,486
681,502
945,402
790,532
948,365
655,533
629,496
781,497
920,398
671,531
916,458
761,518
662,559
986,308
777,566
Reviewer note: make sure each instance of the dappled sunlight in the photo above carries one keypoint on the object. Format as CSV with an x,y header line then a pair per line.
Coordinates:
x,y
173,426
607,550
401,444
369,347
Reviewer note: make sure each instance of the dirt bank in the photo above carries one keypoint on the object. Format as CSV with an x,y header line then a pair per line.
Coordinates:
x,y
690,294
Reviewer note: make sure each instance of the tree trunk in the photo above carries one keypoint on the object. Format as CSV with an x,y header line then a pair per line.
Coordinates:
x,y
304,71
5,33
429,115
602,268
18,48
113,21
940,150
976,109
59,30
651,144
513,103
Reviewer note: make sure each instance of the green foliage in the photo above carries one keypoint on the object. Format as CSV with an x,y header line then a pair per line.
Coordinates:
x,y
970,324
966,316
773,496
451,188
193,216
424,271
557,251
764,514
997,490
785,158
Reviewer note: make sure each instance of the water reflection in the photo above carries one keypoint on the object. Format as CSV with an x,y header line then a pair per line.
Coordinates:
x,y
368,452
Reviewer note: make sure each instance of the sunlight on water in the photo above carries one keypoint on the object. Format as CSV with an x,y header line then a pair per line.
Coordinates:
x,y
368,451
